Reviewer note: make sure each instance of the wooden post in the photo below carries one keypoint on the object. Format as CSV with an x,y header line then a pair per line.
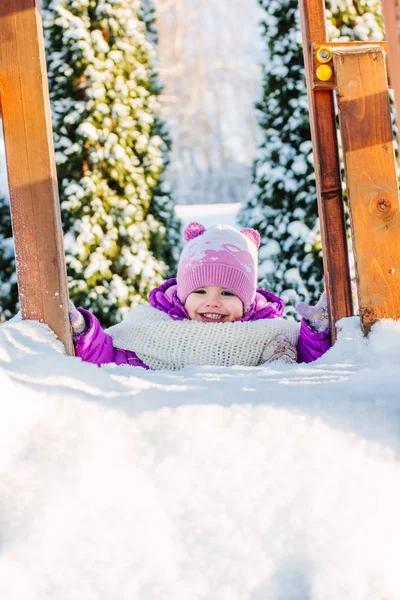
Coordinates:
x,y
35,209
367,140
391,14
327,170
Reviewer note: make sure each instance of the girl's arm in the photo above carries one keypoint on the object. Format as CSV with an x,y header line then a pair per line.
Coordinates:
x,y
96,346
314,338
312,344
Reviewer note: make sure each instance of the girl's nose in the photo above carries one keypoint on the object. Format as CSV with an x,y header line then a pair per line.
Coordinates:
x,y
213,301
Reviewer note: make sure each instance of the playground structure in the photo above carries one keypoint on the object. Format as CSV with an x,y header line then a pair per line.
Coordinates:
x,y
354,73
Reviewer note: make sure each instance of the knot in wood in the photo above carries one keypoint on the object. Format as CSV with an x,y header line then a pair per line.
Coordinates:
x,y
367,314
383,204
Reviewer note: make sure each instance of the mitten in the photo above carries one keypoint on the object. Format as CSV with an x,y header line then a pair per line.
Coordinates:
x,y
77,320
316,316
280,348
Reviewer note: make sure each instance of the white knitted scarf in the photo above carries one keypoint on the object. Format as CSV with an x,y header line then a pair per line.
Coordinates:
x,y
163,343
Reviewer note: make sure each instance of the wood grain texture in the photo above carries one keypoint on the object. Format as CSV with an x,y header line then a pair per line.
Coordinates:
x,y
327,170
35,210
365,124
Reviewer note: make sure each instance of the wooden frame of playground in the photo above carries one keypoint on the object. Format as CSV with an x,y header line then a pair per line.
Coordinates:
x,y
353,73
359,84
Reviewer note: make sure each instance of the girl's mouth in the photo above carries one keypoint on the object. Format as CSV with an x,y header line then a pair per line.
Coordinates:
x,y
212,317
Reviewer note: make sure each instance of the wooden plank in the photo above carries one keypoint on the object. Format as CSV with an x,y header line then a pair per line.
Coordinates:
x,y
327,170
365,124
35,209
391,15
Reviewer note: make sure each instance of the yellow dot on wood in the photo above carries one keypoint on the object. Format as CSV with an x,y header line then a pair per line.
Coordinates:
x,y
324,54
323,72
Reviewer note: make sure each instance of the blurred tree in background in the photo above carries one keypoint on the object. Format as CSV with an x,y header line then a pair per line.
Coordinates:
x,y
283,204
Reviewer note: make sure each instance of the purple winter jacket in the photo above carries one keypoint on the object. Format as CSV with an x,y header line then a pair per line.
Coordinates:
x,y
96,346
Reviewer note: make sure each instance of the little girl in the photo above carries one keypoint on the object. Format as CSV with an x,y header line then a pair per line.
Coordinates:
x,y
211,314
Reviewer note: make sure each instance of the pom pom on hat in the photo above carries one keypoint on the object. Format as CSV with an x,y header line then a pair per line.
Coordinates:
x,y
221,255
253,235
193,230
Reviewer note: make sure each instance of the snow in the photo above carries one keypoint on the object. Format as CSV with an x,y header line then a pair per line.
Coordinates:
x,y
277,482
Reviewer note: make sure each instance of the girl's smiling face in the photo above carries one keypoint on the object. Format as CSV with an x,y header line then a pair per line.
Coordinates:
x,y
213,304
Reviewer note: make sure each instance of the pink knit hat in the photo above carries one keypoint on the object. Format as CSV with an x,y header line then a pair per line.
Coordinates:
x,y
220,255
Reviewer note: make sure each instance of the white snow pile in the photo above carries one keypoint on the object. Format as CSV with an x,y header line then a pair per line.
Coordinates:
x,y
280,482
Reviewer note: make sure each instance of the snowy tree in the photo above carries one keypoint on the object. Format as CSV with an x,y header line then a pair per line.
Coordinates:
x,y
282,203
355,20
111,146
8,278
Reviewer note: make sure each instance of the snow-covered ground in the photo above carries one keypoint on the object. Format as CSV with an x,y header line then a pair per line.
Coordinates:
x,y
280,482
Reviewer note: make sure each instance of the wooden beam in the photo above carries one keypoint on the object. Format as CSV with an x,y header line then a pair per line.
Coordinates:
x,y
35,209
331,83
366,130
327,170
391,15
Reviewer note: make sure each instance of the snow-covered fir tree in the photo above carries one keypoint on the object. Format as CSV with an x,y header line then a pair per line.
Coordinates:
x,y
355,20
8,277
282,203
121,236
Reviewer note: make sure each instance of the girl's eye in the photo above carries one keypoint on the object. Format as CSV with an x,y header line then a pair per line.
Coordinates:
x,y
199,292
226,293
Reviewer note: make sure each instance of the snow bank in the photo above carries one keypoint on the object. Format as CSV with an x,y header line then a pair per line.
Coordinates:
x,y
269,483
